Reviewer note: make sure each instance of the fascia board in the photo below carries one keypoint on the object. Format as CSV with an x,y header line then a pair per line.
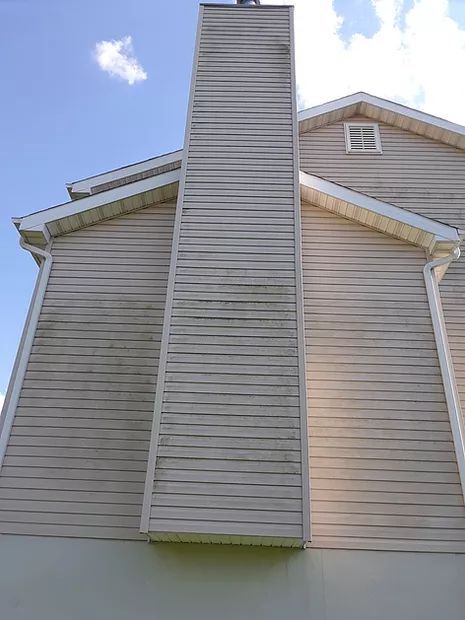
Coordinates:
x,y
94,201
339,192
383,104
85,185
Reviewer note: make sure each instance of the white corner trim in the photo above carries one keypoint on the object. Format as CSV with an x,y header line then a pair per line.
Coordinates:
x,y
75,207
442,232
384,104
25,347
445,359
85,185
301,349
162,363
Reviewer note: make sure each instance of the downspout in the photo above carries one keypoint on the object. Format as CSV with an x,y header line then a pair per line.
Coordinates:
x,y
445,359
25,347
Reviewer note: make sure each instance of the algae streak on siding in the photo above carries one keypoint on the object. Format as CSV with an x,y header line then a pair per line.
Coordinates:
x,y
227,446
77,455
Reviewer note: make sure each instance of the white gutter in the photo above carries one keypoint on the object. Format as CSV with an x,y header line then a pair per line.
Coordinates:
x,y
445,359
25,346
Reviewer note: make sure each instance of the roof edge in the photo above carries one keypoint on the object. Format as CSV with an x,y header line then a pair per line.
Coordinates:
x,y
387,104
343,200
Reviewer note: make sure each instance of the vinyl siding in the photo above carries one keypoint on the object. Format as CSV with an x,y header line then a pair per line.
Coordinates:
x,y
413,172
228,448
383,467
76,459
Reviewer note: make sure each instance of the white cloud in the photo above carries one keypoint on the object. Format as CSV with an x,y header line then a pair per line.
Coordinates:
x,y
417,60
118,60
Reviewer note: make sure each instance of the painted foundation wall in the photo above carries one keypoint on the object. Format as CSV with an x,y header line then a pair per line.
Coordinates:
x,y
62,579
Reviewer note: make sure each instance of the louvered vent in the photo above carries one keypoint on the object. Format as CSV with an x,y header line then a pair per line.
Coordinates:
x,y
362,138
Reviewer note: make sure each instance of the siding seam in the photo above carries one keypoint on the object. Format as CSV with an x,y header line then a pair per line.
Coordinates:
x,y
299,285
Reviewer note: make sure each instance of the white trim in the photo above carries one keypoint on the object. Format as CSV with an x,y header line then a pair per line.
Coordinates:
x,y
85,185
159,391
442,232
445,359
25,347
350,150
75,207
299,287
384,104
36,221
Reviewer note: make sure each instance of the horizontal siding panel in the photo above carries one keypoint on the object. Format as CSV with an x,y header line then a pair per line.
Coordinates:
x,y
383,467
413,172
230,396
77,456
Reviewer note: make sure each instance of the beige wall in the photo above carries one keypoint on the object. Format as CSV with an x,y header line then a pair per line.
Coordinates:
x,y
383,466
77,455
413,172
228,452
45,579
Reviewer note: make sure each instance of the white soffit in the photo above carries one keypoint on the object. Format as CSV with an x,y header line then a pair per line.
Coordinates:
x,y
78,214
161,162
383,111
381,216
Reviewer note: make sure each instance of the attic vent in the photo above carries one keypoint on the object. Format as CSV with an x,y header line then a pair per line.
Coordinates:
x,y
362,138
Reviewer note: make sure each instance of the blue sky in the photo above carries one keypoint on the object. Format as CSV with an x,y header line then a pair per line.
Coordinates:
x,y
62,118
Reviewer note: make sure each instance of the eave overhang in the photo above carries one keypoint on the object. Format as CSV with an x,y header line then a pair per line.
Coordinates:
x,y
125,175
384,111
434,237
37,228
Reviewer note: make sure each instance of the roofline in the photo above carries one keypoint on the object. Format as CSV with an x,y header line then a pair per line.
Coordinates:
x,y
74,207
385,217
385,104
84,186
346,198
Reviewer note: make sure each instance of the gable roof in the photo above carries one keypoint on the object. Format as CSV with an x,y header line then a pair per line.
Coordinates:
x,y
155,180
383,111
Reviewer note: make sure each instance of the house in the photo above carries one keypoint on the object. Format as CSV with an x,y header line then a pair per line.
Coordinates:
x,y
249,353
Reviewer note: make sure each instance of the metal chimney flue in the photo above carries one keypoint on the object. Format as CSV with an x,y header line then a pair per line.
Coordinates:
x,y
248,2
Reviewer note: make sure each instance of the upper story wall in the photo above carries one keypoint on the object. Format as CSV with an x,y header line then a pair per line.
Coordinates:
x,y
383,468
382,461
77,455
413,172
